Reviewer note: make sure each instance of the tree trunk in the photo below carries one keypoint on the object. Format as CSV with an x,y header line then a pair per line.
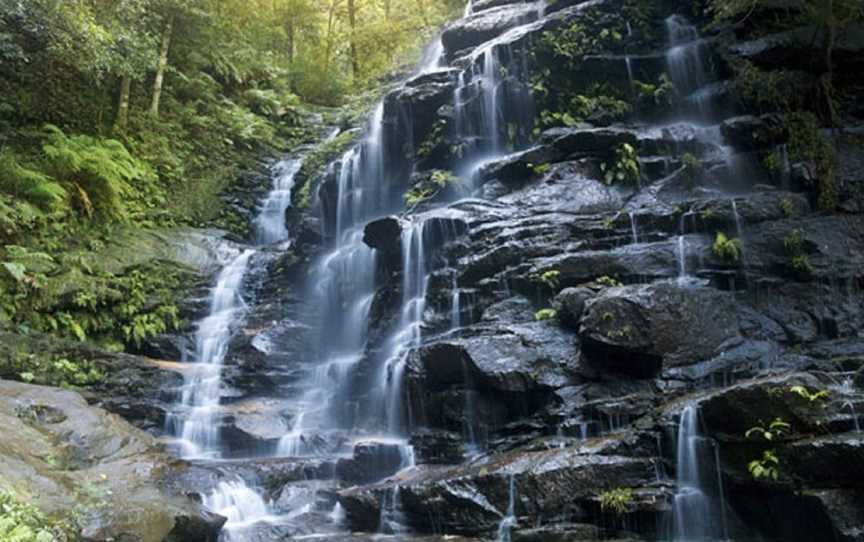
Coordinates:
x,y
122,120
163,64
352,21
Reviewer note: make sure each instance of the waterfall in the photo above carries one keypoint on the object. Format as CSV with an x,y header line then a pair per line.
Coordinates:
x,y
242,506
699,508
508,522
634,229
415,279
270,223
685,60
194,424
455,305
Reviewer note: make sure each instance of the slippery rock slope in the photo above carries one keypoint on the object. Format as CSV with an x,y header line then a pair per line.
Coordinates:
x,y
500,321
587,319
71,458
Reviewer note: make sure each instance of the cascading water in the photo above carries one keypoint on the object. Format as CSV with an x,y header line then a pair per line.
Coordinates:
x,y
685,60
509,521
241,505
270,224
194,424
699,506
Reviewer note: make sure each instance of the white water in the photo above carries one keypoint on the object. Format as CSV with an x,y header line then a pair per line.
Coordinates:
x,y
240,504
699,506
509,521
194,424
270,223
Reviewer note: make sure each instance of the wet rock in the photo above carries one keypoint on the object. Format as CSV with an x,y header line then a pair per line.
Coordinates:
x,y
472,500
828,461
637,330
750,132
371,461
71,445
559,533
385,234
793,48
570,305
438,447
484,26
569,142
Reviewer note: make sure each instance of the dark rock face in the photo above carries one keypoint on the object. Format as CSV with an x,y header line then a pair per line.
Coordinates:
x,y
486,25
371,461
638,330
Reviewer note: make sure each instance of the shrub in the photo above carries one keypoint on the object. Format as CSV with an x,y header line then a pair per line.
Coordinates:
x,y
622,167
21,522
616,501
727,249
545,314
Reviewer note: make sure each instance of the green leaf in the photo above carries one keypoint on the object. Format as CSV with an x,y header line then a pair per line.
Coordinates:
x,y
16,270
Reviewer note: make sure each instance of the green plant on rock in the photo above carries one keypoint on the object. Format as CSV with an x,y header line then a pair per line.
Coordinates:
x,y
766,467
23,522
811,397
623,167
808,144
540,169
794,245
770,432
551,279
609,282
726,248
544,315
616,501
788,208
692,166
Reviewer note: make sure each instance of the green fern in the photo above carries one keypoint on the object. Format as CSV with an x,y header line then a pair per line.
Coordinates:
x,y
100,171
28,184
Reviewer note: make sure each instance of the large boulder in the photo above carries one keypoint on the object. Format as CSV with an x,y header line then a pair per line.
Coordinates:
x,y
637,330
66,455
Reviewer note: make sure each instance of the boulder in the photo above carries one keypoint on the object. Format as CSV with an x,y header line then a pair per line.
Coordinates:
x,y
570,305
371,461
385,234
637,330
54,444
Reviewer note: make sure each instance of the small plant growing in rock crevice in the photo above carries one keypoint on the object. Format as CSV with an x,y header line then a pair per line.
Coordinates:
x,y
727,249
623,167
616,501
609,282
551,278
794,245
544,315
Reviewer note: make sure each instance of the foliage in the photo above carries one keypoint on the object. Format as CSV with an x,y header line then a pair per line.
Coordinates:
x,y
616,501
623,167
726,248
767,467
808,144
609,282
60,372
774,430
544,315
99,173
810,397
551,279
429,187
692,166
24,522
795,248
